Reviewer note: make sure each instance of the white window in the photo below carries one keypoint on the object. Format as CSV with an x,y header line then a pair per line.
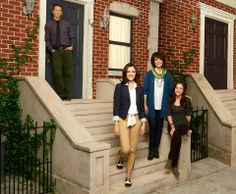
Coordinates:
x,y
120,41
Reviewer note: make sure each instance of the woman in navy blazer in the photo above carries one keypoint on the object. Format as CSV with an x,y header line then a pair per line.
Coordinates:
x,y
158,87
129,117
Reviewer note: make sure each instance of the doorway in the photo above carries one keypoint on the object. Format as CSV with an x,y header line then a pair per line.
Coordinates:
x,y
216,53
74,13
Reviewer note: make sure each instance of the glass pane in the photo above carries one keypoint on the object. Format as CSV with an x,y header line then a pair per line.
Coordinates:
x,y
119,29
119,56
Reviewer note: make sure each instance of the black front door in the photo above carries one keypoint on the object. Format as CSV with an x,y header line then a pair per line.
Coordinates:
x,y
216,44
74,13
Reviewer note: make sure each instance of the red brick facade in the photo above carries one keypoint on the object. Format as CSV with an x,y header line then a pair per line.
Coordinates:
x,y
175,32
13,24
101,38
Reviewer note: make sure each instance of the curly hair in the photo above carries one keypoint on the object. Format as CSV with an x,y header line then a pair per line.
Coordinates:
x,y
158,55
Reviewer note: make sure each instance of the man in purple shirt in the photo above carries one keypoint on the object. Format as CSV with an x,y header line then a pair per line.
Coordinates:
x,y
60,41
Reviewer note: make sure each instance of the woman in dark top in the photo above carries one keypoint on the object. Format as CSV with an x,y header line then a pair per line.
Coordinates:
x,y
179,116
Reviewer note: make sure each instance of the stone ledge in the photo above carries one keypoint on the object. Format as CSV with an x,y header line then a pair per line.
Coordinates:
x,y
124,9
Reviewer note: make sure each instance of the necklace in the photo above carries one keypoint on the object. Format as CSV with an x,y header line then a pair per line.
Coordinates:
x,y
159,82
157,75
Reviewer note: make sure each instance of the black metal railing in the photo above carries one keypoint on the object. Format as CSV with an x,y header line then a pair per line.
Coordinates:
x,y
26,160
199,138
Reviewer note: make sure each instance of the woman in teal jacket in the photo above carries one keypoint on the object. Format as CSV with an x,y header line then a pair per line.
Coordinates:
x,y
158,87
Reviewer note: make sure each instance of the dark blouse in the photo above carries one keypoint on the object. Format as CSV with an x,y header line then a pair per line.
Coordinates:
x,y
179,113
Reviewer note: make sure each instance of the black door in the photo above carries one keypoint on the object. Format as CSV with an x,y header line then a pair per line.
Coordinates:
x,y
216,44
74,13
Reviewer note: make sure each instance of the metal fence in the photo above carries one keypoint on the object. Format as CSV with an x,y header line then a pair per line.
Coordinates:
x,y
26,160
199,139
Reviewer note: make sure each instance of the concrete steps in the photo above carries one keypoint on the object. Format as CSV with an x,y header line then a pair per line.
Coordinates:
x,y
228,98
96,116
111,139
76,105
146,183
142,167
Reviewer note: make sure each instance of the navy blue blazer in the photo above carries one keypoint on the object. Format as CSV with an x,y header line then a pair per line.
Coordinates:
x,y
122,101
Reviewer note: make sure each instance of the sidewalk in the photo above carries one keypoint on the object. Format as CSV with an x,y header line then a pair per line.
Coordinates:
x,y
208,176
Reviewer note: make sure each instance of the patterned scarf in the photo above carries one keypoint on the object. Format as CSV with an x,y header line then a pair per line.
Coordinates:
x,y
159,76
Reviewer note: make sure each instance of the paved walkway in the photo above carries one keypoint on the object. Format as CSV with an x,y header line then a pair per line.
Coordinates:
x,y
208,176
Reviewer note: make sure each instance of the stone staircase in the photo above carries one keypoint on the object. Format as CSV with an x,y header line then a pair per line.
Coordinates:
x,y
96,116
228,98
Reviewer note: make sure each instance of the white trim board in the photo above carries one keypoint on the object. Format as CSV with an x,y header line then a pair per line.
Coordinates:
x,y
228,18
87,47
230,3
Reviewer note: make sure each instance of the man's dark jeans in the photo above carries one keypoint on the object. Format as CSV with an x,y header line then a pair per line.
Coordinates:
x,y
62,65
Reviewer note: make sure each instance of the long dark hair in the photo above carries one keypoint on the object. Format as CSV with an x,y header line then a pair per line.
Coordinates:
x,y
183,98
124,74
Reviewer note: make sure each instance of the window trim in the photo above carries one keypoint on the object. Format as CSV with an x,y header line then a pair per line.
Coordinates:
x,y
130,45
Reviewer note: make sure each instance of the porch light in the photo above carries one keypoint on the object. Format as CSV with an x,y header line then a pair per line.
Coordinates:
x,y
105,18
28,8
193,22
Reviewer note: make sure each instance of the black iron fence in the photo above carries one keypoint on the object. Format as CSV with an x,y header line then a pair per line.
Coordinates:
x,y
26,160
199,139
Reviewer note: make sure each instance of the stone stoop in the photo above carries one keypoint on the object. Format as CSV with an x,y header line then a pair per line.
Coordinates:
x,y
145,183
147,176
228,98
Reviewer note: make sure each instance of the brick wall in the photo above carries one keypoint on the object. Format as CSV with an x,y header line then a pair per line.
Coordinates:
x,y
101,40
12,31
175,32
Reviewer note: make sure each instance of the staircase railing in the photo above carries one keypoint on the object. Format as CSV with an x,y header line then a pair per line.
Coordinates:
x,y
199,140
26,160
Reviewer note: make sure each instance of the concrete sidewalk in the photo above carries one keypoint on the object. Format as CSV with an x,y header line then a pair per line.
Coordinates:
x,y
208,176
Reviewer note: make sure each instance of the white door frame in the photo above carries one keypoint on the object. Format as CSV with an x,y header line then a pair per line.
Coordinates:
x,y
87,47
228,18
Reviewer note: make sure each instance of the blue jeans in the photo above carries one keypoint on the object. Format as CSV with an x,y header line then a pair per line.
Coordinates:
x,y
155,130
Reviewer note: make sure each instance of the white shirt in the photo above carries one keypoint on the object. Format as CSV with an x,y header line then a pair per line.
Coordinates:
x,y
133,110
133,105
158,93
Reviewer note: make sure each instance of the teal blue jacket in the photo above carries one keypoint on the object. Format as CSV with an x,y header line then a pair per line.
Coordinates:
x,y
149,91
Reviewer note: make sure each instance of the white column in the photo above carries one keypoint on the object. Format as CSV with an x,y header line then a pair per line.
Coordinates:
x,y
153,35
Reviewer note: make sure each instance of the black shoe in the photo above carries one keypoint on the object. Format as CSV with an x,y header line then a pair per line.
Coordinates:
x,y
175,171
120,164
150,155
128,182
66,99
156,154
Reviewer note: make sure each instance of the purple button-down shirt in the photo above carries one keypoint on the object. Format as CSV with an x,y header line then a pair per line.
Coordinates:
x,y
67,36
